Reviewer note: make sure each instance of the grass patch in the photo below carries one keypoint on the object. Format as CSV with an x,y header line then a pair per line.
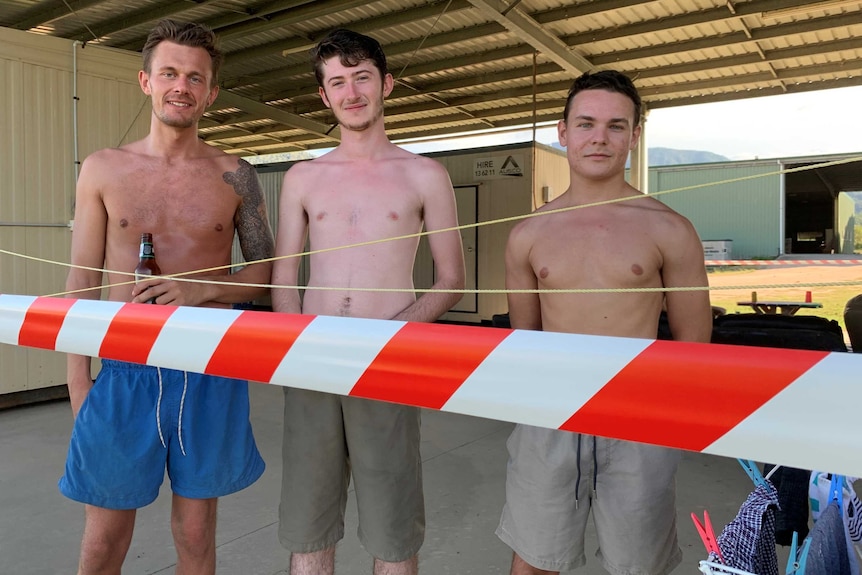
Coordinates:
x,y
834,299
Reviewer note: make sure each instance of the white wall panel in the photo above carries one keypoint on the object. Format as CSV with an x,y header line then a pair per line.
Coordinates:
x,y
38,169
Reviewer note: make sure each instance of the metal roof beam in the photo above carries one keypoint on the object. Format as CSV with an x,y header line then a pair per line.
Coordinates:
x,y
392,50
131,19
757,93
534,34
707,16
785,30
229,99
47,12
233,17
287,17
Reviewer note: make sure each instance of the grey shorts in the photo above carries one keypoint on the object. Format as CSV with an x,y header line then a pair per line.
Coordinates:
x,y
630,488
326,438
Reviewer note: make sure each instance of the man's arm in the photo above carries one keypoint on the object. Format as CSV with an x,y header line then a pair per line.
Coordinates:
x,y
440,213
88,250
689,313
290,239
255,240
525,311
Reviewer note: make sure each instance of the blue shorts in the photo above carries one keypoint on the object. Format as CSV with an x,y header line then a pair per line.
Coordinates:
x,y
135,422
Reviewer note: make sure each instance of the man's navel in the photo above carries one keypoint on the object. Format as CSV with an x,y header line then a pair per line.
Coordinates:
x,y
637,270
344,310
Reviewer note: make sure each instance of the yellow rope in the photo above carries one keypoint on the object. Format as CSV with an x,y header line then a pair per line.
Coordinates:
x,y
180,276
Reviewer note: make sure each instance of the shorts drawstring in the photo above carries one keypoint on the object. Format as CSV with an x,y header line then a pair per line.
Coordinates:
x,y
182,402
595,468
159,410
578,480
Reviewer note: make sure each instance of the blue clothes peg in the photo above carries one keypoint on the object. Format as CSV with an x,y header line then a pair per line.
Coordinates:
x,y
753,472
836,491
796,562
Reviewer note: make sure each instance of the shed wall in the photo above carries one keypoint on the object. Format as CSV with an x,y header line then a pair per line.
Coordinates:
x,y
742,202
845,222
38,169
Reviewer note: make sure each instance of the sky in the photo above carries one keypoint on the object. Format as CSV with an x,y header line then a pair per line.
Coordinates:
x,y
810,123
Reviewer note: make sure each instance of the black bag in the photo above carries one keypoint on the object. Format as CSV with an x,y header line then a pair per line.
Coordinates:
x,y
784,331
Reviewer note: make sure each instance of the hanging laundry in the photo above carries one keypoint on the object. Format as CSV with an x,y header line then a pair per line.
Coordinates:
x,y
748,542
819,498
792,512
827,554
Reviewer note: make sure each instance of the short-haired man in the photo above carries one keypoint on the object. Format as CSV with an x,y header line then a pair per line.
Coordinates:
x,y
365,189
136,420
555,478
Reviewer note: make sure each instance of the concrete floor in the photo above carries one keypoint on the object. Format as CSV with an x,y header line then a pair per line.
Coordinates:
x,y
464,464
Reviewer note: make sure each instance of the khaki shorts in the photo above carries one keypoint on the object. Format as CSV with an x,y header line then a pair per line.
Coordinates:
x,y
326,437
630,488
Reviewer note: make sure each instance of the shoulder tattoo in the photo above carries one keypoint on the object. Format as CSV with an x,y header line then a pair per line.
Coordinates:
x,y
252,226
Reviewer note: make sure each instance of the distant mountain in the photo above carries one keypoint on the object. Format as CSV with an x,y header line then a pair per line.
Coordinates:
x,y
857,197
671,157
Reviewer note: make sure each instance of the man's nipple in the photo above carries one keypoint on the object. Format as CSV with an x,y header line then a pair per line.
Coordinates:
x,y
543,273
637,270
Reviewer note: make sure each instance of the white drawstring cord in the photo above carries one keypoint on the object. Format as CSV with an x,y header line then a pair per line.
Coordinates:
x,y
159,410
182,401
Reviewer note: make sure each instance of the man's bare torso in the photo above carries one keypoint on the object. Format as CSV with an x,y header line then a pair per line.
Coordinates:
x,y
610,247
349,203
186,204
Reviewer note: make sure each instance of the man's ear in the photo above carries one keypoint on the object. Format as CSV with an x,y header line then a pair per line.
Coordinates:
x,y
212,95
144,82
323,97
636,134
561,132
388,84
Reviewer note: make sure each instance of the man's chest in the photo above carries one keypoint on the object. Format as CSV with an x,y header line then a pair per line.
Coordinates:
x,y
171,203
370,213
600,254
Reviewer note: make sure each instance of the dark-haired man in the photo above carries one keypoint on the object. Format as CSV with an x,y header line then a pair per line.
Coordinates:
x,y
556,478
366,189
137,420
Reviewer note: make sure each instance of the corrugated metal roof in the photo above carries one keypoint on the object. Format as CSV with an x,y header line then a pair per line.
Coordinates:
x,y
468,64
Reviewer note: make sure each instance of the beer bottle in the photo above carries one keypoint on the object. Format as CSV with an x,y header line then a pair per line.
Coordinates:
x,y
147,265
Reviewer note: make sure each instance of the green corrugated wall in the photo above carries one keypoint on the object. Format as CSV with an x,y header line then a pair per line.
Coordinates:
x,y
739,202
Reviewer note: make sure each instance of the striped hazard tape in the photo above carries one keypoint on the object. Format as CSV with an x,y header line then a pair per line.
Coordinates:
x,y
797,408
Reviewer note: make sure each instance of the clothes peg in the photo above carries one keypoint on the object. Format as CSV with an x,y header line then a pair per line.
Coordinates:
x,y
796,562
707,535
836,491
753,472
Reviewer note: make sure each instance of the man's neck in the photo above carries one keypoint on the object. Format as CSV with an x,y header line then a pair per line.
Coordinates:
x,y
175,143
366,144
588,190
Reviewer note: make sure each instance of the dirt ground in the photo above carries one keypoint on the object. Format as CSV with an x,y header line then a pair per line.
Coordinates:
x,y
802,278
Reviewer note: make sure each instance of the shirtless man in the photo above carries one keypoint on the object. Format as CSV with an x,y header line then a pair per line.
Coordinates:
x,y
555,477
365,189
136,419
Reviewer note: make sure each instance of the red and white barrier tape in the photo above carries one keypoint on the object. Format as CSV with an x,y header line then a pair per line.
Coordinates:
x,y
823,262
797,408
